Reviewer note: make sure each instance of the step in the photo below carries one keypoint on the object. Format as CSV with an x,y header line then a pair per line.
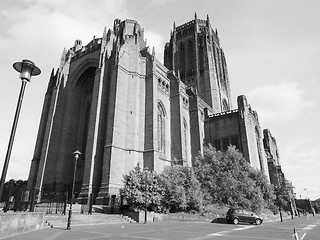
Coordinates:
x,y
53,220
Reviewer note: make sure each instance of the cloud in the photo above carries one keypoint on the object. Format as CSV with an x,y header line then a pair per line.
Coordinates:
x,y
161,2
84,10
298,153
43,28
40,12
39,30
301,167
157,41
279,102
36,29
9,14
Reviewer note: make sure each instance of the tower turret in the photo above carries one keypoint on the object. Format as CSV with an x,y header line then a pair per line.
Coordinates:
x,y
77,45
63,58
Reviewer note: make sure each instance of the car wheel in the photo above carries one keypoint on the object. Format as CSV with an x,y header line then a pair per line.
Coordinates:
x,y
258,221
235,221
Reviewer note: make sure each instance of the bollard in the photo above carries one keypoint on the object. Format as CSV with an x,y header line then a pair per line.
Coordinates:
x,y
295,234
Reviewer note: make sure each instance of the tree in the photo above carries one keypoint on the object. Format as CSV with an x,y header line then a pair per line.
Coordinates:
x,y
142,190
229,179
13,191
206,168
175,189
265,187
181,189
282,192
216,178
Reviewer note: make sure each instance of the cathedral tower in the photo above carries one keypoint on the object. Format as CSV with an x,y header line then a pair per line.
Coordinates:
x,y
195,54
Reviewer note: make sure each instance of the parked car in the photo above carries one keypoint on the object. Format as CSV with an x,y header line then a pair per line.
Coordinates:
x,y
236,215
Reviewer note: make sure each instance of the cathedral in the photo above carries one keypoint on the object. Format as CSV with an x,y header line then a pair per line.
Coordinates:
x,y
120,106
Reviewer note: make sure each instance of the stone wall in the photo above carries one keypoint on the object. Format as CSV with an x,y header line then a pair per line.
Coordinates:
x,y
140,216
251,136
240,128
222,130
15,223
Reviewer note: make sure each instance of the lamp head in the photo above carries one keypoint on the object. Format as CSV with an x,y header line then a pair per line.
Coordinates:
x,y
77,153
27,69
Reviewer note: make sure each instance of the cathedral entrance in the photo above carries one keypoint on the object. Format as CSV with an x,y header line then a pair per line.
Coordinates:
x,y
82,99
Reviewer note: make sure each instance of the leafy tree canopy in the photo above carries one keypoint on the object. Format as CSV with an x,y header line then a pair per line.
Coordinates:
x,y
215,178
229,179
142,189
175,189
283,192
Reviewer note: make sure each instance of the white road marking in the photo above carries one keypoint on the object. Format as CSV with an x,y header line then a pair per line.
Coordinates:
x,y
243,228
229,231
219,233
309,227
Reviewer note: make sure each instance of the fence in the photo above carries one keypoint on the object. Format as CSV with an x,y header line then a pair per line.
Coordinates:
x,y
52,204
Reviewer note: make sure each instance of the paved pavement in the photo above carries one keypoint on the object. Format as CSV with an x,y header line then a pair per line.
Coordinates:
x,y
307,229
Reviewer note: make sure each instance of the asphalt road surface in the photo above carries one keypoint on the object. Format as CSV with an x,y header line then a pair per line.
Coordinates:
x,y
307,228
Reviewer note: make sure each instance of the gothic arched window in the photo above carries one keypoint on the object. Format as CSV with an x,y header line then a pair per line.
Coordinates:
x,y
182,60
184,140
161,128
225,106
201,59
190,55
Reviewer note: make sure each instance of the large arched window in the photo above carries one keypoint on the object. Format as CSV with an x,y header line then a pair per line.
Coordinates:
x,y
161,128
182,60
184,140
190,55
201,59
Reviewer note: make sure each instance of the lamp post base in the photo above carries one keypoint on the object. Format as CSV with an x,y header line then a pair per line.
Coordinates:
x,y
145,216
69,220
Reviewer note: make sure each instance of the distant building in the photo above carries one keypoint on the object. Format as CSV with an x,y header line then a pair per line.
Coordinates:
x,y
115,102
305,206
316,205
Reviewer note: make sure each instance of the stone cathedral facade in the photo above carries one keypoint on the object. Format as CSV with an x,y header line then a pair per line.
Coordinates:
x,y
116,103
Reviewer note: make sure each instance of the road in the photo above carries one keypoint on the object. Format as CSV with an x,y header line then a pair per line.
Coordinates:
x,y
307,229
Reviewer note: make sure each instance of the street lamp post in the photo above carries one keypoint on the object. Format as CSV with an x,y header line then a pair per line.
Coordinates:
x,y
146,194
307,195
27,69
76,157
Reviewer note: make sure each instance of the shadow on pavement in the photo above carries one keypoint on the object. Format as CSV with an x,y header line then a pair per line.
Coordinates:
x,y
219,220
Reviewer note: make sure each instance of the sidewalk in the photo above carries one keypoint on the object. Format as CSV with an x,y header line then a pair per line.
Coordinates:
x,y
58,221
158,230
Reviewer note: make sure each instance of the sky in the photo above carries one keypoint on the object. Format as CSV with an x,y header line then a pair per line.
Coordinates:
x,y
272,50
